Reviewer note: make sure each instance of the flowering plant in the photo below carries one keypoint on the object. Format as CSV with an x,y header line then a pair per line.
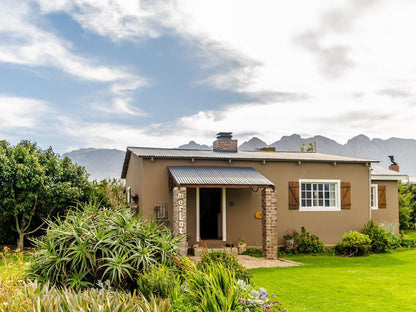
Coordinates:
x,y
257,300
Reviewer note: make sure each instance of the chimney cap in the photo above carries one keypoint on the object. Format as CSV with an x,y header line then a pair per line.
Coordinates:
x,y
224,135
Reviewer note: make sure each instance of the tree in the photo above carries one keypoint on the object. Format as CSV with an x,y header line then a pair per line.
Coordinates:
x,y
36,184
407,205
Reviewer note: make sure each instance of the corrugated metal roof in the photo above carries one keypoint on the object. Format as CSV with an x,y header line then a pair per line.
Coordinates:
x,y
218,176
241,155
380,173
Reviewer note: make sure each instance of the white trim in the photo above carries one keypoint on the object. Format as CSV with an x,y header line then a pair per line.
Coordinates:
x,y
337,206
375,196
128,195
224,214
389,177
198,218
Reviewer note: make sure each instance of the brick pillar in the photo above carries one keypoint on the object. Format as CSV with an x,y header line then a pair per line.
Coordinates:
x,y
269,220
179,217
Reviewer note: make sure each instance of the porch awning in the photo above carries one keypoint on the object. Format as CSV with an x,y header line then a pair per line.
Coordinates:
x,y
212,176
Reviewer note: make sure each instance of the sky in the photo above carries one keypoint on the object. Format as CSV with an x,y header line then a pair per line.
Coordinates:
x,y
118,73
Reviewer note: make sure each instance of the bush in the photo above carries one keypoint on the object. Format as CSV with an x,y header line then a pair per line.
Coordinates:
x,y
213,289
157,281
253,252
354,244
96,244
380,240
229,261
257,300
308,243
36,298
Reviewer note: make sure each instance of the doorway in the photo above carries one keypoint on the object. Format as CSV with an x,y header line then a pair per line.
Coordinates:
x,y
210,213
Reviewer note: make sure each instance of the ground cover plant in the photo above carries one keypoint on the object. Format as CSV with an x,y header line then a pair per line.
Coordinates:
x,y
95,244
379,282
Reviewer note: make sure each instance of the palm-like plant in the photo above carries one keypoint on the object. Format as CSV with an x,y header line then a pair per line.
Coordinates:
x,y
93,244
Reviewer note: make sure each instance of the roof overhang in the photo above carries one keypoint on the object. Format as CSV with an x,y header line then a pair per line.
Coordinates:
x,y
216,176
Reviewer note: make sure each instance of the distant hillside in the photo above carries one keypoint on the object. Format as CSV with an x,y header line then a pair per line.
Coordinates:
x,y
99,163
107,163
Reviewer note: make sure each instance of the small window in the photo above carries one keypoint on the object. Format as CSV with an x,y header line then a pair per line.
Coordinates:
x,y
161,212
320,195
374,196
128,195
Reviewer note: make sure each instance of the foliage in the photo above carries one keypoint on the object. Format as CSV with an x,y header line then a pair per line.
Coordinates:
x,y
36,184
354,244
229,261
157,280
308,243
43,298
338,284
93,244
257,300
253,252
213,289
110,193
380,240
407,205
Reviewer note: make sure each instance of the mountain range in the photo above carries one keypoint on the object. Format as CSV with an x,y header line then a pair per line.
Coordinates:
x,y
107,163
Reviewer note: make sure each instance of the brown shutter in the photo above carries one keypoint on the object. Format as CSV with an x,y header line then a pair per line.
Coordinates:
x,y
294,195
345,195
382,203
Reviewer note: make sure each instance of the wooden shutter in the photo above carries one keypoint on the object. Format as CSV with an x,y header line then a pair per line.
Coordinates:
x,y
382,202
345,195
294,195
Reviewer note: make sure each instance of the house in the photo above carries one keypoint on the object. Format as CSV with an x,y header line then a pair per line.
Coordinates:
x,y
223,194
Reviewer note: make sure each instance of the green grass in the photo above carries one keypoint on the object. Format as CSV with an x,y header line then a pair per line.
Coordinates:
x,y
384,282
409,234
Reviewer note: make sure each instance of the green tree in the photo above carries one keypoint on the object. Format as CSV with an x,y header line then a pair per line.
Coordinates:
x,y
110,193
407,205
36,184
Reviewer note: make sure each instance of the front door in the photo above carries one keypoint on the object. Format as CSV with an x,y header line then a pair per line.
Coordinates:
x,y
210,210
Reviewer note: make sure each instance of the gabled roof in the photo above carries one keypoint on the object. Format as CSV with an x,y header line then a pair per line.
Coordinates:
x,y
380,173
167,153
211,176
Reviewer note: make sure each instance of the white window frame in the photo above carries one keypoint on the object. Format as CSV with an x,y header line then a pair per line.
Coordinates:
x,y
375,196
337,206
128,195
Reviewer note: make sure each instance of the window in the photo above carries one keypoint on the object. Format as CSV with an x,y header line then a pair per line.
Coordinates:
x,y
374,196
320,195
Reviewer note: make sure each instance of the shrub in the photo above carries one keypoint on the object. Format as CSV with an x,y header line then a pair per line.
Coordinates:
x,y
37,298
96,244
229,261
157,281
253,252
380,240
213,289
308,243
354,243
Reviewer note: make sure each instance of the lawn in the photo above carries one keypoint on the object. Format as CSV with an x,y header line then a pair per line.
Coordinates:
x,y
384,282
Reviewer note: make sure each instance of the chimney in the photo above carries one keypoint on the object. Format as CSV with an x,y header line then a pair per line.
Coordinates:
x,y
394,166
224,143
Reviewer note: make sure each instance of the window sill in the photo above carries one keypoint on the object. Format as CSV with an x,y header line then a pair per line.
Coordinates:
x,y
319,209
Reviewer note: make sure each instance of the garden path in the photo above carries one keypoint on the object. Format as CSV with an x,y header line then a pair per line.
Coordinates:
x,y
252,262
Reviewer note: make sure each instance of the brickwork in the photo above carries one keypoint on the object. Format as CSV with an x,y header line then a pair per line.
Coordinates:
x,y
179,217
225,146
269,220
394,168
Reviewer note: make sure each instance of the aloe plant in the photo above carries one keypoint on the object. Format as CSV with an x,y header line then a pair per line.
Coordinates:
x,y
92,244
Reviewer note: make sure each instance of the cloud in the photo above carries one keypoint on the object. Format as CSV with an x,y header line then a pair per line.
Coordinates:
x,y
21,113
25,42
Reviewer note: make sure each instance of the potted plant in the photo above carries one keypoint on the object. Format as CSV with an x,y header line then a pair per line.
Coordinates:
x,y
242,243
290,240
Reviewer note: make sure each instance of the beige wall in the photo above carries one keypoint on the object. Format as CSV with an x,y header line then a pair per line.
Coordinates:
x,y
390,215
242,204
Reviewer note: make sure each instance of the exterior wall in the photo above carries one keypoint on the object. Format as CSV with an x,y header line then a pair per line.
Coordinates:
x,y
242,204
134,178
390,214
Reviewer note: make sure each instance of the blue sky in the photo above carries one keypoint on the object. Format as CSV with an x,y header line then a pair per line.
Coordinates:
x,y
85,73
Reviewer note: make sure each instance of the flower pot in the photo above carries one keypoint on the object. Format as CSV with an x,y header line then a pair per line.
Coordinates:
x,y
242,245
290,242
